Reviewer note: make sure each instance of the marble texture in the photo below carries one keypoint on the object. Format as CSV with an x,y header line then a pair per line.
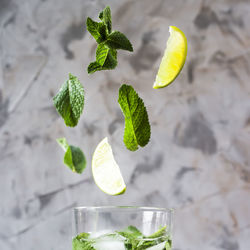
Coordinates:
x,y
198,159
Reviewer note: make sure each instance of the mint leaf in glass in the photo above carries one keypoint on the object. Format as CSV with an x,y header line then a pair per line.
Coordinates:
x,y
135,240
81,245
137,127
161,232
74,158
69,101
117,40
105,16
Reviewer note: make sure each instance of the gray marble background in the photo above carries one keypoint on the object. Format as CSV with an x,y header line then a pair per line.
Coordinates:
x,y
198,160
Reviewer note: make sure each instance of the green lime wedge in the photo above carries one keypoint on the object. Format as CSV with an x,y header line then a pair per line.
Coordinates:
x,y
106,172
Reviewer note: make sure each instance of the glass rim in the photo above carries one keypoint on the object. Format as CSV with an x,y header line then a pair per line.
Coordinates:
x,y
139,208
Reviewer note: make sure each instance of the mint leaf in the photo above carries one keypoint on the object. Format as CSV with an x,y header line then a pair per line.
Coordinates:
x,y
69,101
161,232
132,232
63,143
137,127
135,240
93,67
110,62
132,235
97,30
81,245
74,157
117,40
82,236
168,245
101,54
105,16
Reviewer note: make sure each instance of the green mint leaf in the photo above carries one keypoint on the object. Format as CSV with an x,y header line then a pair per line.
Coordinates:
x,y
137,127
69,101
105,16
117,40
132,235
93,67
101,54
157,238
132,231
74,157
78,244
63,143
97,30
135,240
161,232
168,245
110,62
82,236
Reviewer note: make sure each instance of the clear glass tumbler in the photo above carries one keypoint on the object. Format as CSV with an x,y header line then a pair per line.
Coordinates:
x,y
122,228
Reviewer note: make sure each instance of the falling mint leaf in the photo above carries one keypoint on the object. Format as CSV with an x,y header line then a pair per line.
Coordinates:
x,y
109,63
101,54
74,157
93,67
105,16
97,30
69,101
111,60
117,40
137,127
109,42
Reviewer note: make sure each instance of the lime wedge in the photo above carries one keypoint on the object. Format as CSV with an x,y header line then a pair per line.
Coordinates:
x,y
106,172
173,59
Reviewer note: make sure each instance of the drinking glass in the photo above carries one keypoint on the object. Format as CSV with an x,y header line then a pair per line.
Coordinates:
x,y
122,228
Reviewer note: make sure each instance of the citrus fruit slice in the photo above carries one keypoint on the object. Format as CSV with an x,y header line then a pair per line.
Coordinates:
x,y
173,59
106,172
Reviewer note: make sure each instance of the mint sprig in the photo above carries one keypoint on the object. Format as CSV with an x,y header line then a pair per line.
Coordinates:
x,y
108,42
69,101
137,126
74,158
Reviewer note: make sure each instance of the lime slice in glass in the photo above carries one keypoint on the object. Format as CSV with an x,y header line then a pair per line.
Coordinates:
x,y
106,172
173,59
